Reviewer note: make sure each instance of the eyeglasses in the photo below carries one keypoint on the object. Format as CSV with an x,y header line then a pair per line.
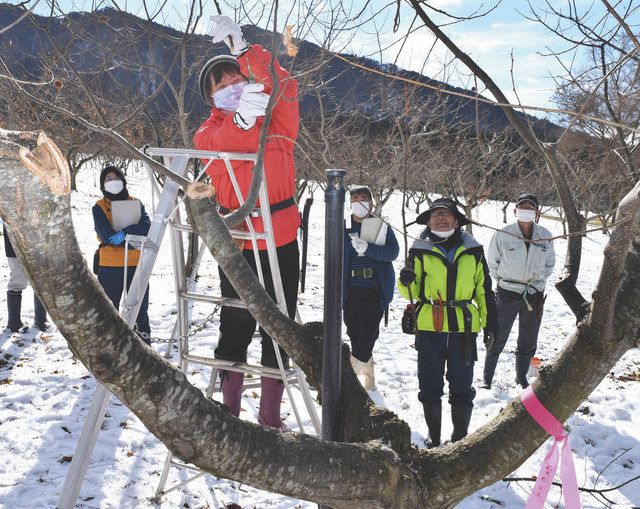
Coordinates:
x,y
441,213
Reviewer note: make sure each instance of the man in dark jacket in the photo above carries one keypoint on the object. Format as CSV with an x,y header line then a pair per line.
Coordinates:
x,y
368,281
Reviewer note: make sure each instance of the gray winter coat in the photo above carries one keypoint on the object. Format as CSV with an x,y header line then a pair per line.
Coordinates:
x,y
516,269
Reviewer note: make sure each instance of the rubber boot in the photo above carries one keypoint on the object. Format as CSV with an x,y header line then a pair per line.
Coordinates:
x,y
369,375
490,363
40,314
522,367
231,384
366,370
270,400
433,418
14,304
460,417
356,365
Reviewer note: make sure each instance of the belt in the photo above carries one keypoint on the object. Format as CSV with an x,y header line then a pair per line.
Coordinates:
x,y
363,273
451,303
275,207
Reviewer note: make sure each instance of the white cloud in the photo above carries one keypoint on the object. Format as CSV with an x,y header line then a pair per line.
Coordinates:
x,y
491,47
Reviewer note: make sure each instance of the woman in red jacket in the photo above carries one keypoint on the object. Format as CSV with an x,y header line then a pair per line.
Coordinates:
x,y
238,88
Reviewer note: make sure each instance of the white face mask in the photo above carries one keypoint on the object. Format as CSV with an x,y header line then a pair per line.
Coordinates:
x,y
229,97
360,208
526,216
114,186
445,234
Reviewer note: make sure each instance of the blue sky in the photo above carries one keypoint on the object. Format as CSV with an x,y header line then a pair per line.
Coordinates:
x,y
490,39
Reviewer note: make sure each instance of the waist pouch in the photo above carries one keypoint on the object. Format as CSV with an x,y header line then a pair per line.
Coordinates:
x,y
409,319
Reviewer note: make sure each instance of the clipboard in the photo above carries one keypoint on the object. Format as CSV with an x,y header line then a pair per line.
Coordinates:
x,y
374,230
125,213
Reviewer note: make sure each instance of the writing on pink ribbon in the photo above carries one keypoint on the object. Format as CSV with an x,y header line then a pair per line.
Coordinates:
x,y
547,472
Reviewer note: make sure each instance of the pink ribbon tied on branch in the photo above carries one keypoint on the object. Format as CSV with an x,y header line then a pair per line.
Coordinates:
x,y
550,464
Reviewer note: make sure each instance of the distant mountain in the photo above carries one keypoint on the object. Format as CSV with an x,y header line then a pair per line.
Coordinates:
x,y
128,47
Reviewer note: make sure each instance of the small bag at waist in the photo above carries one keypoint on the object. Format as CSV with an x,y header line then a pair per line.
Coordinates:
x,y
275,207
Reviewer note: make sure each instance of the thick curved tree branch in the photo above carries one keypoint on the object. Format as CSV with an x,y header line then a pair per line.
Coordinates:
x,y
202,432
195,429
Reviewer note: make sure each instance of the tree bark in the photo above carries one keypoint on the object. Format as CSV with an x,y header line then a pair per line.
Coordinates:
x,y
35,197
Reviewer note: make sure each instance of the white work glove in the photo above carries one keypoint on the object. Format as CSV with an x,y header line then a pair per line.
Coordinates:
x,y
359,245
253,103
223,29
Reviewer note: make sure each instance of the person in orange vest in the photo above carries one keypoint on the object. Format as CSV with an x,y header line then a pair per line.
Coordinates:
x,y
238,88
113,185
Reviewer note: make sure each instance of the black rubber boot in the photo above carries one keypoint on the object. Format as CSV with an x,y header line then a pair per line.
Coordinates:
x,y
460,417
522,368
433,417
490,363
40,314
14,303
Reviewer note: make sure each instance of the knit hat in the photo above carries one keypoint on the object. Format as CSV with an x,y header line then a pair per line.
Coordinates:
x,y
114,169
205,92
527,197
443,203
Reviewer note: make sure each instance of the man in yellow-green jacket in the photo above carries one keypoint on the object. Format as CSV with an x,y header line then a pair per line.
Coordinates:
x,y
447,274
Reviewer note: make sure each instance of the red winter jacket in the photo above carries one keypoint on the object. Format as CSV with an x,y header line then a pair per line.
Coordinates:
x,y
219,133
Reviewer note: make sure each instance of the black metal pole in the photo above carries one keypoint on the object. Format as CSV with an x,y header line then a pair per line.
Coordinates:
x,y
331,356
306,211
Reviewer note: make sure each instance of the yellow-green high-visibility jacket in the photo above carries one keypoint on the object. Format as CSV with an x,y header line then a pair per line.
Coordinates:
x,y
463,284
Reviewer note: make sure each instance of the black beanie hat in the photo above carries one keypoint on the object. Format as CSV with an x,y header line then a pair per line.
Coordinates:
x,y
114,169
203,79
443,203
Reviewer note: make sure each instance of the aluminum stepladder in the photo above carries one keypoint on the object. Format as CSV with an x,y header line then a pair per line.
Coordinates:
x,y
292,377
163,215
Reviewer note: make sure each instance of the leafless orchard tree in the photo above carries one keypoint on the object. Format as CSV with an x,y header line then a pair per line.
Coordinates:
x,y
375,465
602,159
597,173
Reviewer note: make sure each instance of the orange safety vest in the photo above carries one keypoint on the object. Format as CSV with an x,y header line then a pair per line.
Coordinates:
x,y
113,256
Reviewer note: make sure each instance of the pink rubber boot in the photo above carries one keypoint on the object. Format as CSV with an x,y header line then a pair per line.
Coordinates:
x,y
270,400
231,382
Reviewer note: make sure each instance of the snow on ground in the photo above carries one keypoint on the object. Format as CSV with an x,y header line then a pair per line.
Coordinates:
x,y
45,393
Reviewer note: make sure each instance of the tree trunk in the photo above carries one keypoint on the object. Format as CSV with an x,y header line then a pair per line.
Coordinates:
x,y
202,432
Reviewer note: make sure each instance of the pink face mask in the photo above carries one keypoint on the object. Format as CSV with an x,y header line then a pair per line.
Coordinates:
x,y
229,97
